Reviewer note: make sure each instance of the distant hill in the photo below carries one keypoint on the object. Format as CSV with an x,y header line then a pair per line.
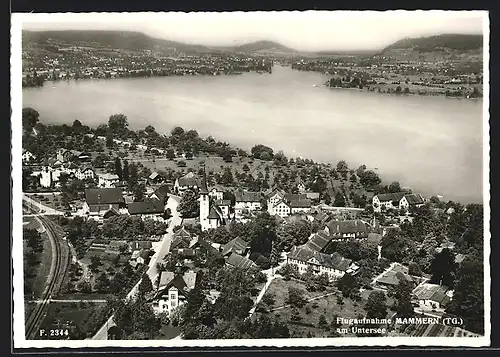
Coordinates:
x,y
458,42
136,41
125,40
262,46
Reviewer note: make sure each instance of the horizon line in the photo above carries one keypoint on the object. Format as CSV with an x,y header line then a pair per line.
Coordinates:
x,y
222,47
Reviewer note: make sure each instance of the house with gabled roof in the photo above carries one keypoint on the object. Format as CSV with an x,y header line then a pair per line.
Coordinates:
x,y
236,245
318,241
247,201
411,200
235,260
138,245
301,187
432,296
347,229
149,209
172,291
334,265
27,156
188,181
186,244
288,204
99,200
217,192
161,194
107,180
85,173
387,200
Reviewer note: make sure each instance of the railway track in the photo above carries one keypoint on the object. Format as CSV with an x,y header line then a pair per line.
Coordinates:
x,y
56,275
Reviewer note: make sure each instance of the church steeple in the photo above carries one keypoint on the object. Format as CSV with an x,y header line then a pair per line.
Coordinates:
x,y
204,202
204,187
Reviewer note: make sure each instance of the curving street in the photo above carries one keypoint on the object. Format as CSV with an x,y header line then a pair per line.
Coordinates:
x,y
162,250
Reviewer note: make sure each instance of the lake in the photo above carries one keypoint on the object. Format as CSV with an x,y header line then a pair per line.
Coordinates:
x,y
431,144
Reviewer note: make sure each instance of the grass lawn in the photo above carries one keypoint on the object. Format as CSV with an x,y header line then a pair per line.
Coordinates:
x,y
52,201
86,317
311,312
279,290
39,281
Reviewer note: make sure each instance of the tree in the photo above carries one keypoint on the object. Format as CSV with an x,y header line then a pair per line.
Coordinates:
x,y
398,89
227,177
395,187
118,125
189,206
468,296
102,283
376,305
339,200
145,286
443,268
125,171
322,323
262,152
133,175
402,295
170,154
109,140
95,262
348,284
288,271
370,179
34,239
137,318
139,193
414,269
177,131
342,166
118,168
29,118
296,297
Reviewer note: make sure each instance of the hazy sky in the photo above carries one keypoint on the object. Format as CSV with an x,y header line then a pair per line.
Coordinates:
x,y
310,30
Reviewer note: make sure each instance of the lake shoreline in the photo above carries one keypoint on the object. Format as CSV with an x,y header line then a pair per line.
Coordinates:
x,y
428,94
284,110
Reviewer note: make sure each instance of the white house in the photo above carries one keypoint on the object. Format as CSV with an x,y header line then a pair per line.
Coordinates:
x,y
187,181
172,291
387,200
27,156
432,296
282,209
107,180
274,196
224,205
301,205
85,173
301,187
335,266
247,201
217,193
412,200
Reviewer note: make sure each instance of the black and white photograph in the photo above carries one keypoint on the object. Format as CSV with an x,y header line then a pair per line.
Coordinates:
x,y
280,179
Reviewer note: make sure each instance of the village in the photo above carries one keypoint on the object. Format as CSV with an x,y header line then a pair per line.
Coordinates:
x,y
169,235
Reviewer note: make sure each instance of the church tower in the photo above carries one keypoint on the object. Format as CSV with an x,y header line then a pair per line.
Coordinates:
x,y
204,202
